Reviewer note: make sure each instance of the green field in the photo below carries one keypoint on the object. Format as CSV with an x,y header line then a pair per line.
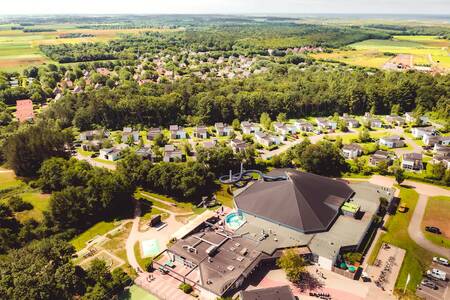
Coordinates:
x,y
98,229
8,179
374,53
436,214
416,259
19,50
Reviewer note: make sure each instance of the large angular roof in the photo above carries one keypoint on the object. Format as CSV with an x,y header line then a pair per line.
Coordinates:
x,y
305,202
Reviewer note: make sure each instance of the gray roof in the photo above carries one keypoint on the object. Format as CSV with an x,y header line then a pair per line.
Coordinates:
x,y
305,202
273,293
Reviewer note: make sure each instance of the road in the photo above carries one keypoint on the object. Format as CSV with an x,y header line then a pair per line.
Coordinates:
x,y
415,229
424,190
95,163
315,138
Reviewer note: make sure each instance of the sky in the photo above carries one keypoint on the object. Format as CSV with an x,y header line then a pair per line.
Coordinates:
x,y
224,6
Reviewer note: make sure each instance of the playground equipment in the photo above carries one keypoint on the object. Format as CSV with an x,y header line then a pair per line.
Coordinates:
x,y
245,176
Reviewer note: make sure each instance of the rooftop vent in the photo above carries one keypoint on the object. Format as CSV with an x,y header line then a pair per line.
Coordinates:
x,y
230,268
240,258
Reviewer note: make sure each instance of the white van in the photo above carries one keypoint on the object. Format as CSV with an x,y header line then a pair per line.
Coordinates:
x,y
438,274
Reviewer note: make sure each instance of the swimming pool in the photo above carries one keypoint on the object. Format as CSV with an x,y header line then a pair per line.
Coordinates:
x,y
234,220
150,248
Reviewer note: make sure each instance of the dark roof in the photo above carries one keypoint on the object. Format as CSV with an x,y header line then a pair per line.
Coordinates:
x,y
274,293
305,202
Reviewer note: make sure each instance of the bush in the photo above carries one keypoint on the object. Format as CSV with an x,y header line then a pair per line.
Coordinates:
x,y
17,204
149,265
186,288
353,257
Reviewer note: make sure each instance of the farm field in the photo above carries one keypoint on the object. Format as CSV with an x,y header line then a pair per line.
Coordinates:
x,y
19,50
374,53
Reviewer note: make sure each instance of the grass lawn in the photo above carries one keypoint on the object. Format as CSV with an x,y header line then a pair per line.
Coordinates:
x,y
437,214
8,179
40,204
98,229
104,161
85,153
140,260
224,197
416,259
179,207
136,293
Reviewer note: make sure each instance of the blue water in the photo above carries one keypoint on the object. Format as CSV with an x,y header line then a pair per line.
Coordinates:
x,y
234,220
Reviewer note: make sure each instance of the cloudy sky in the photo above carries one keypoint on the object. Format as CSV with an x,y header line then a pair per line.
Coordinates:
x,y
224,6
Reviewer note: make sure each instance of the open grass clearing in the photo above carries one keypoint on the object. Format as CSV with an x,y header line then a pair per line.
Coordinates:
x,y
437,214
416,259
8,179
98,229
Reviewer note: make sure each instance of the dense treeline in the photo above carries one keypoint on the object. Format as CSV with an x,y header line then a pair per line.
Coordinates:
x,y
310,92
241,39
82,195
43,270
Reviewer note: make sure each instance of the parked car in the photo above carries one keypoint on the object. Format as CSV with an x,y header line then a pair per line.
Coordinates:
x,y
429,283
438,274
440,260
433,229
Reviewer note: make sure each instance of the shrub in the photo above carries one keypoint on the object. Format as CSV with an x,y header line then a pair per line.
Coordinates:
x,y
17,204
149,265
186,288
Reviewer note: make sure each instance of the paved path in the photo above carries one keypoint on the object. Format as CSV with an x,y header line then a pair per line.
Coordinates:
x,y
424,190
95,163
415,229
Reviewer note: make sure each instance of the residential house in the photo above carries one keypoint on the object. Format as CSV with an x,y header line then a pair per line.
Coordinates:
x,y
430,140
375,123
351,123
209,144
270,293
223,129
146,153
152,132
92,146
249,127
396,120
412,161
238,145
441,149
303,125
352,151
201,132
267,140
380,156
324,123
24,110
112,154
177,132
391,142
410,118
93,134
77,90
441,155
128,133
284,129
419,132
171,154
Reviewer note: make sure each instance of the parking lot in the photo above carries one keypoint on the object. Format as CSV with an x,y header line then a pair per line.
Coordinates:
x,y
442,293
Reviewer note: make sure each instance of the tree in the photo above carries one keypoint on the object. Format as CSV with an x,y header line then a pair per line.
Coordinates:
x,y
236,124
26,149
323,158
342,125
17,204
265,120
399,175
161,140
41,270
282,117
293,265
364,136
186,288
218,159
395,109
